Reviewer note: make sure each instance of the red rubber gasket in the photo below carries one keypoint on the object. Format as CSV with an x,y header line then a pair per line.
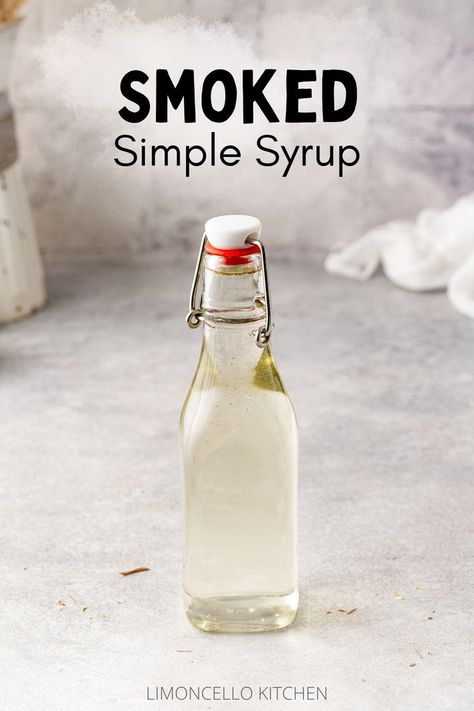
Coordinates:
x,y
232,256
251,249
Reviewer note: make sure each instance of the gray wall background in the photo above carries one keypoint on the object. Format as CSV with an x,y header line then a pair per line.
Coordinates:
x,y
417,143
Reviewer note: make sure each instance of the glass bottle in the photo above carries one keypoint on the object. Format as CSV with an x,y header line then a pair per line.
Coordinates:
x,y
239,447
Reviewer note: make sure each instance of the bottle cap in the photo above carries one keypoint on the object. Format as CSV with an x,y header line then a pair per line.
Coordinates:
x,y
229,232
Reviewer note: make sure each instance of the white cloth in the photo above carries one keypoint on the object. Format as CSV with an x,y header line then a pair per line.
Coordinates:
x,y
434,252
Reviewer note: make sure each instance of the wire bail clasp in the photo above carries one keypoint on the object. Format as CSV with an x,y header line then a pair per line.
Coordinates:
x,y
262,337
196,313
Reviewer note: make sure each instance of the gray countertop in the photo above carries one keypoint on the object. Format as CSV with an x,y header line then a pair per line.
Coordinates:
x,y
91,388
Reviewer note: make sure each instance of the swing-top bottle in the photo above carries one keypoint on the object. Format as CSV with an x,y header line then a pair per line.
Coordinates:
x,y
239,445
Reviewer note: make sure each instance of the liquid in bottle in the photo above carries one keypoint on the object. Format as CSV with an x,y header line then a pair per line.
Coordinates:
x,y
239,447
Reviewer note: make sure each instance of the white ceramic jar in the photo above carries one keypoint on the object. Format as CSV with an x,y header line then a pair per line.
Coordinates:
x,y
22,288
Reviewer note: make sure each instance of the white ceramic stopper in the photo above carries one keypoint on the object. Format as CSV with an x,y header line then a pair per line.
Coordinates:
x,y
231,231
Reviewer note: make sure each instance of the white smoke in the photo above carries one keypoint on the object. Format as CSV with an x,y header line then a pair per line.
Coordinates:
x,y
92,203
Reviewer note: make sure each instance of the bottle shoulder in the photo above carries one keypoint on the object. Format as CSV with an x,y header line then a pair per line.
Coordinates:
x,y
261,373
266,375
257,392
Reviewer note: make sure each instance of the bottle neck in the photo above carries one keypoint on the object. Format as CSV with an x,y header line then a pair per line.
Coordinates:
x,y
233,309
233,290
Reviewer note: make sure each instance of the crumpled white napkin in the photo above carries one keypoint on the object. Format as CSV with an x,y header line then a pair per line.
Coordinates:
x,y
434,252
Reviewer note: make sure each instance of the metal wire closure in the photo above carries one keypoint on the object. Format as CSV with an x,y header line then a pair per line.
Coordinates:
x,y
196,313
263,334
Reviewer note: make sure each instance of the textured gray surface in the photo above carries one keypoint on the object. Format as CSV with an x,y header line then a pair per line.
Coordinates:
x,y
91,388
